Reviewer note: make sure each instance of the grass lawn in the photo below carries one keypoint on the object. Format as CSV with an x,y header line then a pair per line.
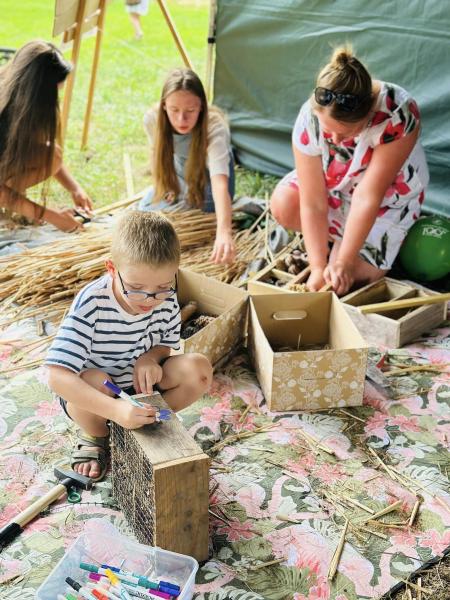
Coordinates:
x,y
129,79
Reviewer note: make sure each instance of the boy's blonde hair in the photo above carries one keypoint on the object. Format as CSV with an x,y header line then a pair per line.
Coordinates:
x,y
145,238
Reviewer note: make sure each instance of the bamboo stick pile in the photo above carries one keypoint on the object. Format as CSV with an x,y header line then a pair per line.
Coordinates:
x,y
43,281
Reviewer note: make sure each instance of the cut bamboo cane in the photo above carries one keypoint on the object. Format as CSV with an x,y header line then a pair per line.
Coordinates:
x,y
414,368
288,519
406,303
269,563
385,511
375,533
337,554
319,444
416,587
415,510
419,588
358,504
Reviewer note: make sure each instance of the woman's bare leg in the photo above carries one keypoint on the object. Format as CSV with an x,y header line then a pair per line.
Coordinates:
x,y
285,207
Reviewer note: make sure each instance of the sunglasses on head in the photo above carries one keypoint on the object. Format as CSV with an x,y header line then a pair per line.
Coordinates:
x,y
347,102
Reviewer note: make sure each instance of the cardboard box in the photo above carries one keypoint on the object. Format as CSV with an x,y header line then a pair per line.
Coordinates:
x,y
225,302
306,379
393,329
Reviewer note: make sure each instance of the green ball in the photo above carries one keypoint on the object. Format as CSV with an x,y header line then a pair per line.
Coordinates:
x,y
425,253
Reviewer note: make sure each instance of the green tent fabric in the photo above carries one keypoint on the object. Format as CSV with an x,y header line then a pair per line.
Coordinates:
x,y
268,53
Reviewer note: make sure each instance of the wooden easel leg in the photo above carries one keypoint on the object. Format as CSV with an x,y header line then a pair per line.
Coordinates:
x,y
71,78
210,52
175,34
90,101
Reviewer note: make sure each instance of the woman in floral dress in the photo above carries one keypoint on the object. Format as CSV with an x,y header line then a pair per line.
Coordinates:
x,y
360,175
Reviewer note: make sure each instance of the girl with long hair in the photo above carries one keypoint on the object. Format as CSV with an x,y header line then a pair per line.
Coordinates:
x,y
191,158
360,174
29,132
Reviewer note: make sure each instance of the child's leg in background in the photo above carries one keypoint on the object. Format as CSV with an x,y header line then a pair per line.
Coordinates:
x,y
186,377
135,19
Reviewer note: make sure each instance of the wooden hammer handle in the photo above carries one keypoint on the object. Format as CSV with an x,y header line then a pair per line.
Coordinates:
x,y
39,505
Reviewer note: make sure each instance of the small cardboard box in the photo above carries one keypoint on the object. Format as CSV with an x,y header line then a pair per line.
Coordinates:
x,y
306,379
225,302
392,329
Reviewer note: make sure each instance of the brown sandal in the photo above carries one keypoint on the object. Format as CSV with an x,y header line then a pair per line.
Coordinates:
x,y
96,448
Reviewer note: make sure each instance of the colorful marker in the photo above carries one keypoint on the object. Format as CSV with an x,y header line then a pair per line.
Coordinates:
x,y
117,584
134,578
152,585
80,589
104,587
133,589
116,389
163,414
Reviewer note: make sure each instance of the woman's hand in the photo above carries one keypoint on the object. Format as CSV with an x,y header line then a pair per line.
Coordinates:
x,y
316,279
340,275
224,251
62,219
82,200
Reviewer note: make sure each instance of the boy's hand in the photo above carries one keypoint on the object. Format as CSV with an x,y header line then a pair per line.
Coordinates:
x,y
146,373
133,417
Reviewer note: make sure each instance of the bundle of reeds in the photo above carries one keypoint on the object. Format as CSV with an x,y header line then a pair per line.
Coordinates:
x,y
43,281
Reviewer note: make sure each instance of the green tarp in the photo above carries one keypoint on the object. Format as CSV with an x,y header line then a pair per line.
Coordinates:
x,y
269,52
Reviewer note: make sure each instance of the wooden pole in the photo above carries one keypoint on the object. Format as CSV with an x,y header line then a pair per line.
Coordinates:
x,y
128,174
406,303
98,42
71,78
175,34
210,53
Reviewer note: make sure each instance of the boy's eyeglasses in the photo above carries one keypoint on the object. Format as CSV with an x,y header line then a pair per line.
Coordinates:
x,y
348,102
143,296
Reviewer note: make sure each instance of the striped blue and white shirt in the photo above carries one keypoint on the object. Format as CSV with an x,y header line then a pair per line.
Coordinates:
x,y
98,333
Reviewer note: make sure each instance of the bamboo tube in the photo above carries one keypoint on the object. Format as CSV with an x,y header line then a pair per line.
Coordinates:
x,y
416,587
287,519
384,511
406,303
415,510
269,563
414,368
337,553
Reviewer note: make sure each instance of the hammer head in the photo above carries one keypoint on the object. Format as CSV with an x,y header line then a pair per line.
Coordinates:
x,y
71,478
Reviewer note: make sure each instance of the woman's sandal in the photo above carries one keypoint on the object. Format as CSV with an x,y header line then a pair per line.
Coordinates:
x,y
95,448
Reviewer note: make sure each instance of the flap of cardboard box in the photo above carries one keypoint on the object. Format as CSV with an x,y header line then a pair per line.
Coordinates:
x,y
313,326
212,296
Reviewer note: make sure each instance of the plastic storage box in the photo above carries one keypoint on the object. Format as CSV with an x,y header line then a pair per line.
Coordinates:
x,y
91,547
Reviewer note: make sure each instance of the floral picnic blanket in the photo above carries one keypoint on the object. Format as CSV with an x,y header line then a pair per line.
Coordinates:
x,y
276,497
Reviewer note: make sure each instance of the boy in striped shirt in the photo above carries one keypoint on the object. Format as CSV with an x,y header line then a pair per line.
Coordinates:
x,y
122,327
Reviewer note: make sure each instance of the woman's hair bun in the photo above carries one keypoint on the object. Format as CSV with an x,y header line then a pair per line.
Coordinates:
x,y
342,57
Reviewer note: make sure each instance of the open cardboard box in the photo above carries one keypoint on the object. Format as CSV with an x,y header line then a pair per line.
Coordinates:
x,y
306,379
393,329
225,302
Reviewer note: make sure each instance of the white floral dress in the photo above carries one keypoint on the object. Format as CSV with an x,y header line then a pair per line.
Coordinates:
x,y
344,164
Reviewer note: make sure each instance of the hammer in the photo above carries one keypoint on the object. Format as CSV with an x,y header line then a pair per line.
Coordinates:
x,y
67,479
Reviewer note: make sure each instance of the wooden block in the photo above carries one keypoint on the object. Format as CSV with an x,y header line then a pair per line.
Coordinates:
x,y
160,480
